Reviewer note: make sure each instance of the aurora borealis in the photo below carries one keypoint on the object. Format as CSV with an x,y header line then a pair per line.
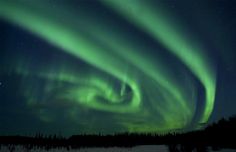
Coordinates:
x,y
109,66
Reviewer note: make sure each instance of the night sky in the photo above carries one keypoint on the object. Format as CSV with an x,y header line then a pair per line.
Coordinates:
x,y
111,66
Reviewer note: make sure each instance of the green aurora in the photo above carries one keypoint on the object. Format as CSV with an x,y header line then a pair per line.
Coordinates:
x,y
139,91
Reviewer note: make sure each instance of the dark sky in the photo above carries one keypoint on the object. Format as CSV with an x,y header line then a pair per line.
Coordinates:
x,y
72,67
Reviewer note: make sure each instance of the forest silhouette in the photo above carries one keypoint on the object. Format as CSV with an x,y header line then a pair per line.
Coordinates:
x,y
219,135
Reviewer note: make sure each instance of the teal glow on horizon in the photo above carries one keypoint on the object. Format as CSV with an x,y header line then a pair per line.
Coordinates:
x,y
140,92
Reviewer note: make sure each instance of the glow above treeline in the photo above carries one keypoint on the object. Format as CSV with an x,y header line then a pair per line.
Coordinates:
x,y
130,80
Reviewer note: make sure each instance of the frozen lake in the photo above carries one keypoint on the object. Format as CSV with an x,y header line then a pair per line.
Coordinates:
x,y
141,148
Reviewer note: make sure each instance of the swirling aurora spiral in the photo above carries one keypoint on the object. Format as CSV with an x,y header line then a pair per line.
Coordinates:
x,y
138,88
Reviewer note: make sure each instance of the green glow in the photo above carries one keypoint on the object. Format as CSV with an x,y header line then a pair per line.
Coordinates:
x,y
143,79
157,24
